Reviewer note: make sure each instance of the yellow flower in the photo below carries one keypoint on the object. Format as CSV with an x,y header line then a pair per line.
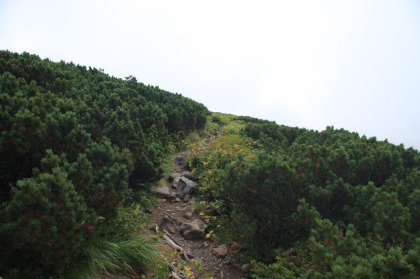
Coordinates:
x,y
188,271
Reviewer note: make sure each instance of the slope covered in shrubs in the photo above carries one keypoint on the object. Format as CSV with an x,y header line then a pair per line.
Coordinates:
x,y
328,204
74,142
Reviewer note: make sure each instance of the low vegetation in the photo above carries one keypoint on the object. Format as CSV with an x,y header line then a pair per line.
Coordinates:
x,y
80,151
303,203
76,146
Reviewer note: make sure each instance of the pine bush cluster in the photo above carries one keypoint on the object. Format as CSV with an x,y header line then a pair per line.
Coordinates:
x,y
73,141
331,203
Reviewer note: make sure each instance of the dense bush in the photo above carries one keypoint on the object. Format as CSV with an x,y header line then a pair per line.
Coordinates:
x,y
73,140
345,204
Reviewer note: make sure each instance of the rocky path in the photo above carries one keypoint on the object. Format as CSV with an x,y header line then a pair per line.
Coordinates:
x,y
174,215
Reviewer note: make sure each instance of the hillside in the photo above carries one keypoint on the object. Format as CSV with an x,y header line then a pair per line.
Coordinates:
x,y
81,151
309,204
76,144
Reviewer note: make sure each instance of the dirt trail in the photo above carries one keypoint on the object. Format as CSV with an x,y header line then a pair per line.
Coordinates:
x,y
201,249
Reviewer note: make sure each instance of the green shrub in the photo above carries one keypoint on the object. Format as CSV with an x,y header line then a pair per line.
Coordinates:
x,y
74,142
346,205
281,269
53,214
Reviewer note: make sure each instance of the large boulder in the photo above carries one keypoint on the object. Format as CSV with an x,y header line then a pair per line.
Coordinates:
x,y
194,230
185,187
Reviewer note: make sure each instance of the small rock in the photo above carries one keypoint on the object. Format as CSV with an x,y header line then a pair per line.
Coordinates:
x,y
185,187
194,230
173,176
235,247
188,175
188,215
175,182
162,192
167,224
246,268
186,199
180,159
220,251
177,200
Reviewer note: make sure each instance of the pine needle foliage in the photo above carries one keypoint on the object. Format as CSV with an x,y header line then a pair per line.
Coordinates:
x,y
74,143
328,204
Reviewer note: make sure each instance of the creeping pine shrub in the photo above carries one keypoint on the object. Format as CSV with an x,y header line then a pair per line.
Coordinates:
x,y
101,135
47,222
216,119
281,269
54,213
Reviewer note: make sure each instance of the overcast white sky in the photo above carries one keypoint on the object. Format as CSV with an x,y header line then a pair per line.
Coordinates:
x,y
351,64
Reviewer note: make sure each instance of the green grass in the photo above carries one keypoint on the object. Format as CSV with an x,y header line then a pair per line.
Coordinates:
x,y
130,255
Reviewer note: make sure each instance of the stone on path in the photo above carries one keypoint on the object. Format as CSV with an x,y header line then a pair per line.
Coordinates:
x,y
173,176
246,268
188,175
162,192
167,224
194,230
220,251
175,182
185,187
180,160
188,215
235,247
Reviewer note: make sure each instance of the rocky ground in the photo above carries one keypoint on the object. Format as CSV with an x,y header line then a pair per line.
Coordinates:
x,y
174,216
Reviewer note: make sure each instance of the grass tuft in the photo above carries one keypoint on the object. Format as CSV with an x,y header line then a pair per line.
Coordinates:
x,y
130,256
